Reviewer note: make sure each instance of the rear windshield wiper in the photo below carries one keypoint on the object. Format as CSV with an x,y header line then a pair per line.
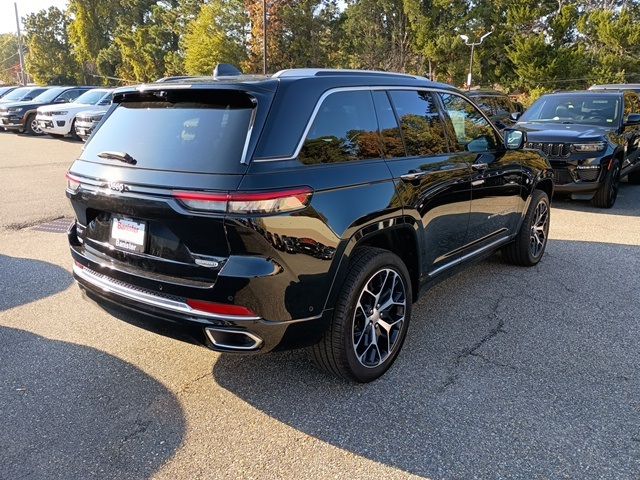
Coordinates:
x,y
120,156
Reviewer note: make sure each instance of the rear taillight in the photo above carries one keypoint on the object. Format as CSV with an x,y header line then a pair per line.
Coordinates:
x,y
73,183
220,308
247,202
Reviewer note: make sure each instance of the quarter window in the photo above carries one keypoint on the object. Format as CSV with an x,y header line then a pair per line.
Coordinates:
x,y
344,129
422,126
473,132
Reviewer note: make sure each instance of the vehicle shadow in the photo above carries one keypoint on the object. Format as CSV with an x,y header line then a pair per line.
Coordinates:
x,y
71,411
627,203
25,280
506,372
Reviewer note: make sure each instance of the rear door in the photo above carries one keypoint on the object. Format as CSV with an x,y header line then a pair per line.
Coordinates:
x,y
433,184
496,173
152,148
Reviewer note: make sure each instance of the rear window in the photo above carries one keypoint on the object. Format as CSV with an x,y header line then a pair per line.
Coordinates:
x,y
195,131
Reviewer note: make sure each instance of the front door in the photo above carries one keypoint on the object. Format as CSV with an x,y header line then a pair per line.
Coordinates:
x,y
496,177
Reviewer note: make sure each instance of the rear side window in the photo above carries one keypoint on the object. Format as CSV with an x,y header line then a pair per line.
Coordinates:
x,y
631,104
503,106
422,126
186,131
389,129
473,131
344,129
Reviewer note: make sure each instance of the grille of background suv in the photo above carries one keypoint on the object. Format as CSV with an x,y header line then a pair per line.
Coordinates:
x,y
556,150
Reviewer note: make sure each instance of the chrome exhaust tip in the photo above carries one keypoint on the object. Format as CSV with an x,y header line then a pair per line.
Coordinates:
x,y
233,339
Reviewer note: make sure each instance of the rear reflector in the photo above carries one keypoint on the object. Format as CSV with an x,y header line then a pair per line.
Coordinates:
x,y
221,308
247,202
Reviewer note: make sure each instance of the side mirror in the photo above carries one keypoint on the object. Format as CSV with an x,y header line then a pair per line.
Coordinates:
x,y
632,119
514,139
515,116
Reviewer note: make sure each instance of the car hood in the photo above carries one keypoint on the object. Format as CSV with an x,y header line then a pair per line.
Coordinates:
x,y
29,105
563,133
67,107
87,113
7,105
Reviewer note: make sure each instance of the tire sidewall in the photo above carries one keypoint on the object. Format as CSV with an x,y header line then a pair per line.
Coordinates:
x,y
384,260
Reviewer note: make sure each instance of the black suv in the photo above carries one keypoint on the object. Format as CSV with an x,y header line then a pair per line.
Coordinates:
x,y
21,116
307,208
496,105
592,139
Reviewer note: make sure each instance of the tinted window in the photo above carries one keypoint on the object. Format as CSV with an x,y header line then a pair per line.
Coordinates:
x,y
473,131
71,95
195,131
344,129
503,106
90,97
20,93
389,128
49,95
588,108
631,104
486,104
422,127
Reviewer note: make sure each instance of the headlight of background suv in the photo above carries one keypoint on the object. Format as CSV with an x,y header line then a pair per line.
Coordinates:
x,y
15,109
588,147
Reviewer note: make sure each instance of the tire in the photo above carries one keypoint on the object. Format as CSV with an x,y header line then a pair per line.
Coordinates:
x,y
347,348
634,177
531,241
72,132
30,127
606,195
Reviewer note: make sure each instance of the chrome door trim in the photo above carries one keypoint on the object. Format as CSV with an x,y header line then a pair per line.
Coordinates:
x,y
469,255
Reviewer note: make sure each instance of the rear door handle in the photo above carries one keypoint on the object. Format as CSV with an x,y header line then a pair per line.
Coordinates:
x,y
410,177
479,166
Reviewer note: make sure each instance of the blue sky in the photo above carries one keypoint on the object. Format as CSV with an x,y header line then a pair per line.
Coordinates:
x,y
7,15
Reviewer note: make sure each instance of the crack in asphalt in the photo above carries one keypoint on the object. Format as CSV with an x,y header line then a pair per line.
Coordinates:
x,y
473,350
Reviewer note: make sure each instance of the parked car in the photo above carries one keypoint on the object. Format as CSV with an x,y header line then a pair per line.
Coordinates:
x,y
59,120
6,89
21,94
635,87
21,116
591,138
496,105
312,207
87,121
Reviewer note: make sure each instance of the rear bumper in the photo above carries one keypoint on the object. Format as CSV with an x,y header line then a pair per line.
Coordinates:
x,y
172,315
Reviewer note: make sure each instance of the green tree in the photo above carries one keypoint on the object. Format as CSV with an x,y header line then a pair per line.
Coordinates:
x,y
49,60
9,60
217,35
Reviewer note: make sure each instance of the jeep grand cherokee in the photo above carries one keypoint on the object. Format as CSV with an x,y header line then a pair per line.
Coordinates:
x,y
307,208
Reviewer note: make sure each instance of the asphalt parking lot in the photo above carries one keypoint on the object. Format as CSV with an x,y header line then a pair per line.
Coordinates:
x,y
506,372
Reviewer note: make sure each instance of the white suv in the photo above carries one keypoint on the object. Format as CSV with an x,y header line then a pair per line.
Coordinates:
x,y
58,119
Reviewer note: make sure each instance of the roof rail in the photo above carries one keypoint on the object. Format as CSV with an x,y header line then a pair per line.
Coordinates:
x,y
314,72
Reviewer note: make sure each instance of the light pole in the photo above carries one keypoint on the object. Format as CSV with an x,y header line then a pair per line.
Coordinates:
x,y
264,37
473,45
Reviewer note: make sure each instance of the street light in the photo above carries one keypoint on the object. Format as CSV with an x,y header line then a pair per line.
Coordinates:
x,y
473,45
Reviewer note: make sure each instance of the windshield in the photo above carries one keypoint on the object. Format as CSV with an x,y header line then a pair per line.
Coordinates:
x,y
49,95
18,94
91,97
204,133
585,109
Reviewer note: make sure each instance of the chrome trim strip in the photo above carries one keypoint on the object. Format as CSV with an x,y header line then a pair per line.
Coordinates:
x,y
104,283
257,341
354,89
468,256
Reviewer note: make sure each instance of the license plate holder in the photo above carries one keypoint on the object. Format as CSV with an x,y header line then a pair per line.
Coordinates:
x,y
128,234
